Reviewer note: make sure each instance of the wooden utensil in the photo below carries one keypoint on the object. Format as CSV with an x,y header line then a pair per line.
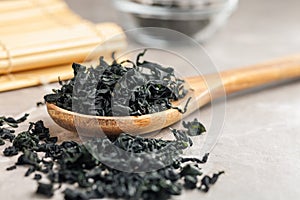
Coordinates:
x,y
15,6
233,81
38,34
58,53
33,12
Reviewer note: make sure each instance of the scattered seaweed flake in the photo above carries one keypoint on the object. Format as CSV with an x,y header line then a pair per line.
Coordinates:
x,y
7,134
196,160
72,163
10,151
30,170
12,122
190,182
37,177
117,89
207,181
11,168
194,127
45,189
74,194
40,103
2,142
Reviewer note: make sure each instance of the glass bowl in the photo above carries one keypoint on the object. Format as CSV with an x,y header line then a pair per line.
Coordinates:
x,y
199,19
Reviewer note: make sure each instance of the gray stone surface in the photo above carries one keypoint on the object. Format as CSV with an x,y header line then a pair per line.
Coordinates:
x,y
260,144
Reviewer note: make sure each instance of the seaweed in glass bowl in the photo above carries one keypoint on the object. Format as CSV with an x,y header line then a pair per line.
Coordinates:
x,y
199,19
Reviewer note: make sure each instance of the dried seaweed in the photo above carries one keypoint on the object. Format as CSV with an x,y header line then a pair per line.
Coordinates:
x,y
75,165
8,133
45,189
1,142
206,181
119,90
11,168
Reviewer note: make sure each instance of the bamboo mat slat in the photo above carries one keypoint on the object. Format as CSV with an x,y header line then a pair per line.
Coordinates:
x,y
40,39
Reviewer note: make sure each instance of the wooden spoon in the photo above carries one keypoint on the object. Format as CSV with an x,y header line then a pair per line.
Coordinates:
x,y
233,81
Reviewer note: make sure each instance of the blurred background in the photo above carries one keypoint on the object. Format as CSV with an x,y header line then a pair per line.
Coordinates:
x,y
257,30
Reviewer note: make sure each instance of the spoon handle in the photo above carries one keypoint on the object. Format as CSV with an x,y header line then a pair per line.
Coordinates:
x,y
256,75
212,86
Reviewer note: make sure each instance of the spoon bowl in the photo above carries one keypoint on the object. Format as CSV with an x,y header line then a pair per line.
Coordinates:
x,y
114,125
202,90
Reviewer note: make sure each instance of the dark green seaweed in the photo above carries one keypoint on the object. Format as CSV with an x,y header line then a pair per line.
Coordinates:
x,y
8,133
120,89
72,163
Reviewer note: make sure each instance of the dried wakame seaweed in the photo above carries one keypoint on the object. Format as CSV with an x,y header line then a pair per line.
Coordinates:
x,y
8,133
119,89
72,164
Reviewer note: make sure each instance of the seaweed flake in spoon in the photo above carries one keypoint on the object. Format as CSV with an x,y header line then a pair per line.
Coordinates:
x,y
120,89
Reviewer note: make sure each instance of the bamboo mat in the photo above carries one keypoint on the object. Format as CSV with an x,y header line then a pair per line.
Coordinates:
x,y
39,39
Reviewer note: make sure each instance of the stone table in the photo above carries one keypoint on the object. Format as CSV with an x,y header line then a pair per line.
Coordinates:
x,y
260,143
